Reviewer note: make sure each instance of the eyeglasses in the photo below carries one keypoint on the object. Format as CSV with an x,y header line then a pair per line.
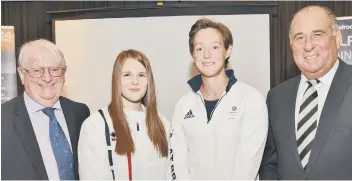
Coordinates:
x,y
38,72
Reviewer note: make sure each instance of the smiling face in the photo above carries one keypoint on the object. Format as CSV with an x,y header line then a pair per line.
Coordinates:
x,y
134,81
209,52
46,89
314,43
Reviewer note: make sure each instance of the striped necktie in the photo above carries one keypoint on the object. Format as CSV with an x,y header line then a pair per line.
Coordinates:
x,y
307,125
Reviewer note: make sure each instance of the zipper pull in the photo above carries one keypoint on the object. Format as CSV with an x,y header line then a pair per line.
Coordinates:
x,y
137,126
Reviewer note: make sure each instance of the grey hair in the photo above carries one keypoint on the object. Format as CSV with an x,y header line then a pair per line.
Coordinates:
x,y
332,17
35,49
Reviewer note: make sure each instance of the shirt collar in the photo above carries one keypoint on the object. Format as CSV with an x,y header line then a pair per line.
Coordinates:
x,y
327,78
33,106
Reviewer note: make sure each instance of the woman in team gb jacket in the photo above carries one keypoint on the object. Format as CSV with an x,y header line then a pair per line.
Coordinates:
x,y
128,138
219,128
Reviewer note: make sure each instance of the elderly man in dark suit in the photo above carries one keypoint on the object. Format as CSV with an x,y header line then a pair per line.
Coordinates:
x,y
40,129
310,130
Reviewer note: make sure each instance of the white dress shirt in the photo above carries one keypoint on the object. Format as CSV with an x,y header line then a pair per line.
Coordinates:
x,y
40,123
322,88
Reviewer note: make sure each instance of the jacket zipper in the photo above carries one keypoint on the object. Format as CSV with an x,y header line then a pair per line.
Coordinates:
x,y
203,103
211,114
216,105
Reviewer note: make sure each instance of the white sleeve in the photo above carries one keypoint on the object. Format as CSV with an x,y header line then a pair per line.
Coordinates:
x,y
178,149
253,138
167,126
92,150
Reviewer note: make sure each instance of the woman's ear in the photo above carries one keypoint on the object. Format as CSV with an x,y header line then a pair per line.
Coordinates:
x,y
229,51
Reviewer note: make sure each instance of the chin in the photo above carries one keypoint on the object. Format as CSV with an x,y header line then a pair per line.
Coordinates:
x,y
210,74
134,99
207,75
47,102
314,68
49,96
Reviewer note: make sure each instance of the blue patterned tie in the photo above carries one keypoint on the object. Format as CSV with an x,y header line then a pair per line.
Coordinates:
x,y
60,146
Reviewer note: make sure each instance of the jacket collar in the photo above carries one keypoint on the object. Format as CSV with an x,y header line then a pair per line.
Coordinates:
x,y
196,81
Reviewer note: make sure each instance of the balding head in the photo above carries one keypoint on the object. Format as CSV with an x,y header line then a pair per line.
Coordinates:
x,y
321,13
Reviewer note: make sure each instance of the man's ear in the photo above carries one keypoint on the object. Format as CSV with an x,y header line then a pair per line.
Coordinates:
x,y
290,38
20,73
338,38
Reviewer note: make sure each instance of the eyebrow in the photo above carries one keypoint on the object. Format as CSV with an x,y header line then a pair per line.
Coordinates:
x,y
319,31
210,42
314,31
297,34
124,72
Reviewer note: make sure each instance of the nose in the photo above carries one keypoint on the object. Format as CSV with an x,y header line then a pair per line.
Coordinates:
x,y
207,53
135,80
309,45
47,77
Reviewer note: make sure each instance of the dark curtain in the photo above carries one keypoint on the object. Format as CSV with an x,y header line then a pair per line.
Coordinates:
x,y
31,22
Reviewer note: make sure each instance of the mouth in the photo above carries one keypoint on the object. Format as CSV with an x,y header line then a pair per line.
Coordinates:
x,y
135,90
208,63
311,57
45,86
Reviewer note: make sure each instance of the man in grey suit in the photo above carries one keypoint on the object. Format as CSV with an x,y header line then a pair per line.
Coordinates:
x,y
310,130
40,128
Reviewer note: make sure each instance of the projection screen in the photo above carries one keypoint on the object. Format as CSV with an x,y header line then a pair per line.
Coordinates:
x,y
90,47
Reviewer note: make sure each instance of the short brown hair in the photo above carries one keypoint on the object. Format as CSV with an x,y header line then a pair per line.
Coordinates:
x,y
205,23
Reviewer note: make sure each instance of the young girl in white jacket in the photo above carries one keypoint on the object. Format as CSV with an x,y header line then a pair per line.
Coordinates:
x,y
127,139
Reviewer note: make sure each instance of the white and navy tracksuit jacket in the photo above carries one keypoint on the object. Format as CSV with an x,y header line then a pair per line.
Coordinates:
x,y
228,146
93,158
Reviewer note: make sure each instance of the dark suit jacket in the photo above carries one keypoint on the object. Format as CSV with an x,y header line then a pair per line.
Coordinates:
x,y
20,154
331,155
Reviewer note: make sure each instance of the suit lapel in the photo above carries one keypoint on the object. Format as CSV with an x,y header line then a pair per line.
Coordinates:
x,y
291,107
70,121
338,88
25,131
72,130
